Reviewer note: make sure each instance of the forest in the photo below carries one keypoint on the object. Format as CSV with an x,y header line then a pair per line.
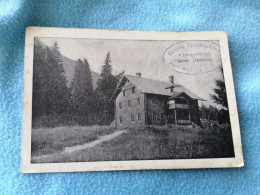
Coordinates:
x,y
55,103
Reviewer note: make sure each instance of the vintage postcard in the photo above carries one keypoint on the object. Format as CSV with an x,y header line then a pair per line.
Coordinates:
x,y
128,100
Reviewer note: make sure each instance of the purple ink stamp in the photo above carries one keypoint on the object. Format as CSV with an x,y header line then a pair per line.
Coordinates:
x,y
193,57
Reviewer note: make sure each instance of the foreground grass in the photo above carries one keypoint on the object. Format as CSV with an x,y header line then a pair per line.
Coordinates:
x,y
176,142
51,140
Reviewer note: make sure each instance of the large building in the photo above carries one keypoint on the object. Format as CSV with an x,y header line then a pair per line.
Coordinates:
x,y
140,102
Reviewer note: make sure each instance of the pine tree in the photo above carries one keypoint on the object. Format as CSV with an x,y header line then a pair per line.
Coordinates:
x,y
108,82
50,92
58,89
82,89
88,77
120,76
220,96
106,88
38,71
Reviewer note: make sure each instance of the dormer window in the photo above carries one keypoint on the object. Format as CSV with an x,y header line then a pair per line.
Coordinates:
x,y
171,89
133,90
123,93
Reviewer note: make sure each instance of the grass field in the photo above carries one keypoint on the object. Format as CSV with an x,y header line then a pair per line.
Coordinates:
x,y
176,142
51,140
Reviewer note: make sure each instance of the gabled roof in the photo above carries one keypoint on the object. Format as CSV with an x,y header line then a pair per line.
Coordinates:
x,y
179,95
151,86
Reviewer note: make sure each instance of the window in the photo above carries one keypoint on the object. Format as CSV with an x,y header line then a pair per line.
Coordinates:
x,y
155,116
139,116
120,105
153,102
121,119
138,101
133,90
161,117
123,92
132,117
129,103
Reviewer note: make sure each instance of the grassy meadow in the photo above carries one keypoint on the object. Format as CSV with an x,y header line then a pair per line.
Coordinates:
x,y
154,142
51,140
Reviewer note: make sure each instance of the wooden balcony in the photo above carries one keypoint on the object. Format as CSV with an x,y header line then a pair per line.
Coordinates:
x,y
182,106
172,106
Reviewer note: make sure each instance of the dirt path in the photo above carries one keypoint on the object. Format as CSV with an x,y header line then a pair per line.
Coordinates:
x,y
94,143
77,148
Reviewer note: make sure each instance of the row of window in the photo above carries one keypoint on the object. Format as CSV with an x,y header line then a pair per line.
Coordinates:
x,y
132,117
129,103
154,102
132,90
155,117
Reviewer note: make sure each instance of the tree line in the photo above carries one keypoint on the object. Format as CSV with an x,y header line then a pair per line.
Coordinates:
x,y
219,97
214,114
55,104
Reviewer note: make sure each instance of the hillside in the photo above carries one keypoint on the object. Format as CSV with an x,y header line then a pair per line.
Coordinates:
x,y
69,66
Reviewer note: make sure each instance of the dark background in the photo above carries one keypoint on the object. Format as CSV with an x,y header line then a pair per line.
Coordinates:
x,y
238,18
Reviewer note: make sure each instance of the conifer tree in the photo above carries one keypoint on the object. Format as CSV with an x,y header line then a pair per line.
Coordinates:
x,y
38,79
108,82
50,92
220,96
58,89
82,89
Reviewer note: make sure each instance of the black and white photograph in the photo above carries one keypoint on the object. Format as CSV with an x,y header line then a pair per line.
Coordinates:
x,y
108,98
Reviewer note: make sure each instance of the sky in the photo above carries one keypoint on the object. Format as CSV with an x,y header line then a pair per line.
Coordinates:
x,y
135,56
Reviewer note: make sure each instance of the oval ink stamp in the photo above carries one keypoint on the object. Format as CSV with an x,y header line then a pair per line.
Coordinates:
x,y
193,57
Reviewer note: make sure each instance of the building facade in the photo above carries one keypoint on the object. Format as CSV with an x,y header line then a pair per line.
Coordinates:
x,y
129,107
140,102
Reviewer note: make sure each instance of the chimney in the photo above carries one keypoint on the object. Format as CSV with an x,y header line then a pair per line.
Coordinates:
x,y
171,79
139,74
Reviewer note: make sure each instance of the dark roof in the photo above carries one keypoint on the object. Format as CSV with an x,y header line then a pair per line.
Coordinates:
x,y
180,95
151,86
